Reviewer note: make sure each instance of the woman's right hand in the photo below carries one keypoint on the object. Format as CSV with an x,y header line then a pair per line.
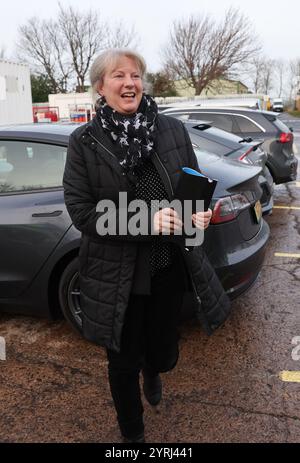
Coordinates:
x,y
167,221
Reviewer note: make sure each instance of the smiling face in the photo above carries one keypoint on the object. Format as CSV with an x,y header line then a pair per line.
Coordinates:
x,y
122,86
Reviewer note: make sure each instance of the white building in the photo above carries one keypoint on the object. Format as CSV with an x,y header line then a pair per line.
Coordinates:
x,y
15,93
69,103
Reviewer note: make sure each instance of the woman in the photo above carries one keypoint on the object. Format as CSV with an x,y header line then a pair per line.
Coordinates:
x,y
132,285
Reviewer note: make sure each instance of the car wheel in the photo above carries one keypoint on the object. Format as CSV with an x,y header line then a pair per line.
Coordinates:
x,y
69,295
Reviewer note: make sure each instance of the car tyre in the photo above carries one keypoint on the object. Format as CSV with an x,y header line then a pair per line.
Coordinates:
x,y
69,295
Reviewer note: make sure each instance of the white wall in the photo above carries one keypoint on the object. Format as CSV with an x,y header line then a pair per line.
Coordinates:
x,y
15,93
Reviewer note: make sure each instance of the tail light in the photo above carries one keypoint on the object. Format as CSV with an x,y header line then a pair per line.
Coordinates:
x,y
227,208
285,137
243,157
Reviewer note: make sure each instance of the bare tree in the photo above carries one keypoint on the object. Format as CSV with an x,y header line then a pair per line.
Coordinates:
x,y
200,50
84,35
261,74
280,74
63,49
267,76
119,36
36,47
255,72
294,78
62,59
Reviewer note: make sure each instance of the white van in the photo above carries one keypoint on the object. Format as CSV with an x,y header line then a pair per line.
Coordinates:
x,y
277,105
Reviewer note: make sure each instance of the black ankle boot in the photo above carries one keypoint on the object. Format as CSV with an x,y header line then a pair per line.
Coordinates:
x,y
140,438
152,388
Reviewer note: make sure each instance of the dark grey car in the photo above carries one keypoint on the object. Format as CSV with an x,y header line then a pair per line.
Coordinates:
x,y
264,125
39,245
215,140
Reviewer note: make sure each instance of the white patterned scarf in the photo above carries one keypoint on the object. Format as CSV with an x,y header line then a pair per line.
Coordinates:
x,y
133,134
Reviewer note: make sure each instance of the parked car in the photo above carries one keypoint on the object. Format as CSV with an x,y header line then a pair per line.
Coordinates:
x,y
39,245
214,140
277,105
250,103
277,137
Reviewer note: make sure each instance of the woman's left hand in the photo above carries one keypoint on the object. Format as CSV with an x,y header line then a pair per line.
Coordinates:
x,y
201,219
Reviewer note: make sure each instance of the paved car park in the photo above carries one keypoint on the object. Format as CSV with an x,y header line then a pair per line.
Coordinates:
x,y
226,388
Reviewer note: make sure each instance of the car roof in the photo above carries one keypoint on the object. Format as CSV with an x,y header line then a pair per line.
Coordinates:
x,y
195,109
56,132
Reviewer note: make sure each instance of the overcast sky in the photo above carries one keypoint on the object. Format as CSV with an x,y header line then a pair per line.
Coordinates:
x,y
277,23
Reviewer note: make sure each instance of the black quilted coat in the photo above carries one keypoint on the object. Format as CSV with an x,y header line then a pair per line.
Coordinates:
x,y
107,264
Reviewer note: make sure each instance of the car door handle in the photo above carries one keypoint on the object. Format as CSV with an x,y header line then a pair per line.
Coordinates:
x,y
47,214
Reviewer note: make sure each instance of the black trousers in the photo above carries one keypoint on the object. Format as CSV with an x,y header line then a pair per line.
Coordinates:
x,y
150,341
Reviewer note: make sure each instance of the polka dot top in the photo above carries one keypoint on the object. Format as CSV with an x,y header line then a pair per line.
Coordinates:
x,y
149,186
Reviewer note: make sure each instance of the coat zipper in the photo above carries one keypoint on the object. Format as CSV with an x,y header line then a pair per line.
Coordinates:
x,y
195,289
102,146
166,172
110,153
172,191
169,180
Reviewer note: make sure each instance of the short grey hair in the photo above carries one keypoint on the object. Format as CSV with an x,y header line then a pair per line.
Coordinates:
x,y
107,60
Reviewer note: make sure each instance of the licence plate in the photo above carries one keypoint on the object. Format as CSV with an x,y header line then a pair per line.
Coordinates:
x,y
258,211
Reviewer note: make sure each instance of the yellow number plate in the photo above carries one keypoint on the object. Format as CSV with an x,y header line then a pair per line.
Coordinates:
x,y
258,211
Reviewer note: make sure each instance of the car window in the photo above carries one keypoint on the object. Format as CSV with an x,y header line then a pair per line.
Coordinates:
x,y
221,121
246,125
26,166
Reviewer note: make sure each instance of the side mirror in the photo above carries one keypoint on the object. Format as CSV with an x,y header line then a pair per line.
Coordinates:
x,y
291,129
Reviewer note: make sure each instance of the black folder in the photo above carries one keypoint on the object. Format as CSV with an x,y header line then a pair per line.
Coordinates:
x,y
193,185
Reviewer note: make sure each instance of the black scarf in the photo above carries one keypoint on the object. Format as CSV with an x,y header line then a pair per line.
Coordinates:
x,y
133,134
